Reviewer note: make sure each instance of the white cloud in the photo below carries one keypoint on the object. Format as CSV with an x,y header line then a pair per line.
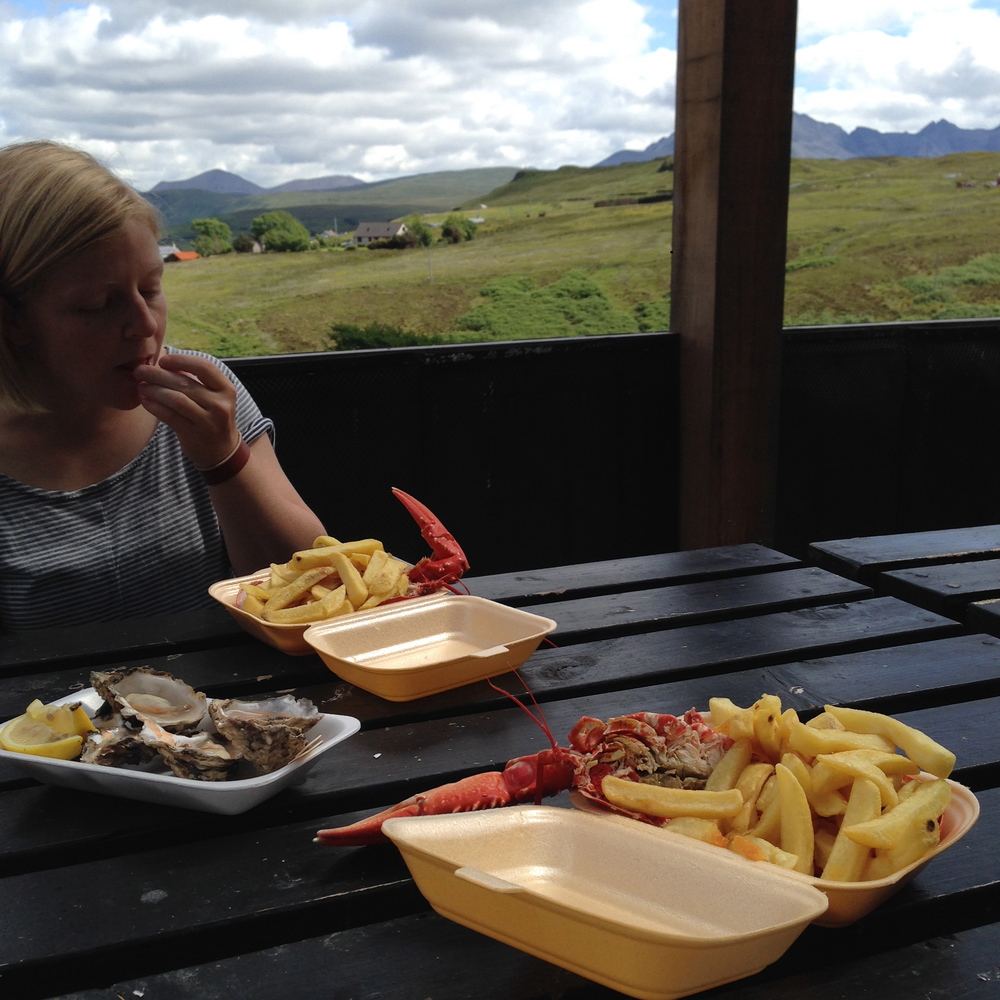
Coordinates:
x,y
365,87
376,88
895,67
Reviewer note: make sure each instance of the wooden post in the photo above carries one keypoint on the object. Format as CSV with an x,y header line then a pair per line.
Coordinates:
x,y
735,73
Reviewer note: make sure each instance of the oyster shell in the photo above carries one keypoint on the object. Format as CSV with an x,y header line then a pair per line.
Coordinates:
x,y
115,745
142,694
199,756
268,733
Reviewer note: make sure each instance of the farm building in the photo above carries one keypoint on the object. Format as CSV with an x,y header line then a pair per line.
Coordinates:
x,y
368,231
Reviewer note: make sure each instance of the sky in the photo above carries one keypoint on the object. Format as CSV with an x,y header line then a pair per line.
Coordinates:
x,y
374,89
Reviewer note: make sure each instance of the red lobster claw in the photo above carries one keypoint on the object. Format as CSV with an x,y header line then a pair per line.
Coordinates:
x,y
448,562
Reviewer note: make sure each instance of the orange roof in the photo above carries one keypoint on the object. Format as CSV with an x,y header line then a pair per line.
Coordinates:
x,y
183,255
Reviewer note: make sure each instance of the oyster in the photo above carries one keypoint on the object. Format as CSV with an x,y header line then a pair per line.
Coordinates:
x,y
142,694
199,756
115,745
268,733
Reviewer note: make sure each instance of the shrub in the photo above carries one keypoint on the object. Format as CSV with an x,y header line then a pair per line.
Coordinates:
x,y
243,243
348,337
517,308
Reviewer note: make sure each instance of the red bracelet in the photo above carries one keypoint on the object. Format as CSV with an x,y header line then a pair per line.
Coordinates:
x,y
228,467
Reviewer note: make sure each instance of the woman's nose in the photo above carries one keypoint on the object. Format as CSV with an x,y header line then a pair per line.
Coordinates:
x,y
141,319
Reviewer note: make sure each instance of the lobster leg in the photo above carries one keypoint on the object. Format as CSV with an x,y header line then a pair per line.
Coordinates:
x,y
523,779
448,562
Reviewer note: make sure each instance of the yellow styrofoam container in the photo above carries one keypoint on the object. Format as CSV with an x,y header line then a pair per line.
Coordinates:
x,y
604,897
416,648
287,638
849,901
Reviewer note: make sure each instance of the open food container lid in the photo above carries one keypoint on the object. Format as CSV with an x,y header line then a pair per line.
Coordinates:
x,y
606,897
414,648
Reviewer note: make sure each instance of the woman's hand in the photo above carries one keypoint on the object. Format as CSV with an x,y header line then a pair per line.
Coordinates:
x,y
197,401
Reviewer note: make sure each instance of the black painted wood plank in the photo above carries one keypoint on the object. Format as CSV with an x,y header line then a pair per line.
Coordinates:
x,y
433,957
612,575
163,634
157,635
42,827
865,557
248,669
909,677
160,909
721,647
984,616
245,669
702,601
945,589
610,664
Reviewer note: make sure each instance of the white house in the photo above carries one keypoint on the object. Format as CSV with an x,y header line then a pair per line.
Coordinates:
x,y
368,231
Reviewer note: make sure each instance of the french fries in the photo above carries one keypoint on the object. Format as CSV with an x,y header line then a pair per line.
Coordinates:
x,y
657,801
329,579
830,797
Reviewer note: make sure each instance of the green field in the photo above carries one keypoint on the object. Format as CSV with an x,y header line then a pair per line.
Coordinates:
x,y
869,241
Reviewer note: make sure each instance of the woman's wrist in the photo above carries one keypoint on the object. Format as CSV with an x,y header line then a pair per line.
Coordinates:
x,y
230,466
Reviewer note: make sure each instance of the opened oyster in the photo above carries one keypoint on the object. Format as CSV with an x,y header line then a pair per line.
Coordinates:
x,y
142,694
199,756
268,733
115,745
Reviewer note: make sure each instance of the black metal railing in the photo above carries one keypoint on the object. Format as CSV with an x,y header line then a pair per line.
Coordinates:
x,y
534,453
547,452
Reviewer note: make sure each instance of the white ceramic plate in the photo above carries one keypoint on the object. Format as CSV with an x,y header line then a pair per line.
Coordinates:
x,y
230,797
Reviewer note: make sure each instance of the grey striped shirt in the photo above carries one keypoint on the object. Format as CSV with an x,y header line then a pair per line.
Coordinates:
x,y
144,541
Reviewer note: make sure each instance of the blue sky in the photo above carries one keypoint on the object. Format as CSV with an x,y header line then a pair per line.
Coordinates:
x,y
164,89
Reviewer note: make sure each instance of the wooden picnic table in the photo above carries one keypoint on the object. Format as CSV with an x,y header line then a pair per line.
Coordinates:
x,y
953,571
109,899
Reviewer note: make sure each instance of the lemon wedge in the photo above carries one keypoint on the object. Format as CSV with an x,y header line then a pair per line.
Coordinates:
x,y
47,731
70,719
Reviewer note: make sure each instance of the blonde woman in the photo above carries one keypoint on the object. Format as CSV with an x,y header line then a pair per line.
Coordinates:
x,y
131,475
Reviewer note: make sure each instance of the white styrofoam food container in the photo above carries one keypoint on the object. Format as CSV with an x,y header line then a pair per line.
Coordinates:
x,y
230,797
412,649
605,897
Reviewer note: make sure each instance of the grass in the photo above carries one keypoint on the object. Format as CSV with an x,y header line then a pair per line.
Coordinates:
x,y
868,241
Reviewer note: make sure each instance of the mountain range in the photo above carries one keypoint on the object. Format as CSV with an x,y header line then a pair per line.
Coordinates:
x,y
223,182
813,140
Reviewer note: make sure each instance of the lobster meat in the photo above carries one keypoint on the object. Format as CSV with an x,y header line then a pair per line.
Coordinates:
x,y
644,746
447,563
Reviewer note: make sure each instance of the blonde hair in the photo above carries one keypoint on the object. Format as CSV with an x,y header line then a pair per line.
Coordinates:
x,y
54,201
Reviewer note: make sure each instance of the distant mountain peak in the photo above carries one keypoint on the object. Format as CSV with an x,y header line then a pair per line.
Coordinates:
x,y
223,182
216,181
813,140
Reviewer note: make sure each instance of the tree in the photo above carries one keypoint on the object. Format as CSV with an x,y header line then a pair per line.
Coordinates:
x,y
243,243
280,231
420,229
214,237
457,228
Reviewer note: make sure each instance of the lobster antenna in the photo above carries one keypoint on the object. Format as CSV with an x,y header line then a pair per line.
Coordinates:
x,y
539,719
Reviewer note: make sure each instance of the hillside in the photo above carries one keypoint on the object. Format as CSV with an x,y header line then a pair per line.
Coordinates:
x,y
340,208
869,240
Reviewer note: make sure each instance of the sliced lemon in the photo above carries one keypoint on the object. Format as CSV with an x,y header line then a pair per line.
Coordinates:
x,y
69,719
35,736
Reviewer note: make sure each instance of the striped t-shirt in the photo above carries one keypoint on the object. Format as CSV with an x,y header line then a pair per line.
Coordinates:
x,y
142,542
